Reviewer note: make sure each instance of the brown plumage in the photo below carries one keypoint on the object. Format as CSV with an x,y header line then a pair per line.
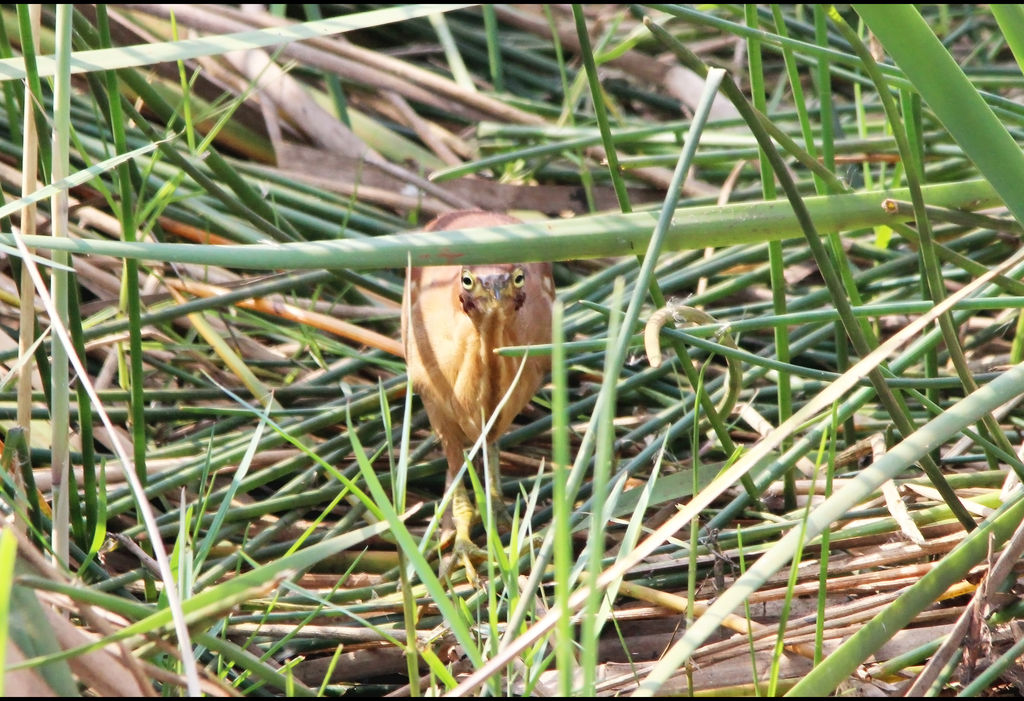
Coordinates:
x,y
453,317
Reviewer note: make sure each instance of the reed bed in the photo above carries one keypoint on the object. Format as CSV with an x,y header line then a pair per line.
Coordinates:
x,y
218,481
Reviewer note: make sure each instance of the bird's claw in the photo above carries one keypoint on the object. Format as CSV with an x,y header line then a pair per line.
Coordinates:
x,y
464,550
468,553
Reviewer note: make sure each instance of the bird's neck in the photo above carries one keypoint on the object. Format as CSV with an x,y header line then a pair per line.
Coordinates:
x,y
494,331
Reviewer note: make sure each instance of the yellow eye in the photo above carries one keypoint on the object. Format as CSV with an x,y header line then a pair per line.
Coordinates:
x,y
518,278
467,280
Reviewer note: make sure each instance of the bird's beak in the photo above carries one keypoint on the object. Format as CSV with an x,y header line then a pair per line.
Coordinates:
x,y
495,287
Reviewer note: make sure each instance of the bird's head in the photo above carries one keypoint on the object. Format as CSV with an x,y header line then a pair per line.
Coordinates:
x,y
492,289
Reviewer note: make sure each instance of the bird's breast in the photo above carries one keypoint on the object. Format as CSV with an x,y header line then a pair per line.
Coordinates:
x,y
468,379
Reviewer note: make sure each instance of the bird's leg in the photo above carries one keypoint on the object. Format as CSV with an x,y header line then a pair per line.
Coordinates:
x,y
464,548
459,518
502,518
492,464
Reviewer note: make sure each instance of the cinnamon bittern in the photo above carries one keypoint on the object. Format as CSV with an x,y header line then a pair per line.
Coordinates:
x,y
453,319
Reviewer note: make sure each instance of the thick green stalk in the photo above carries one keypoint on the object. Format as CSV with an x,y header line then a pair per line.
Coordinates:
x,y
557,239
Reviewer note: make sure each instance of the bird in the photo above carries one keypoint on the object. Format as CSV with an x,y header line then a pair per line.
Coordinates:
x,y
453,319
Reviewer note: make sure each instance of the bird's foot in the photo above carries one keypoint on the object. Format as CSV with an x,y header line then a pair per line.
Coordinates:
x,y
466,553
464,550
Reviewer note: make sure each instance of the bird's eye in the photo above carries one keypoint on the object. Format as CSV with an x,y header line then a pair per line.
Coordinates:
x,y
518,278
467,280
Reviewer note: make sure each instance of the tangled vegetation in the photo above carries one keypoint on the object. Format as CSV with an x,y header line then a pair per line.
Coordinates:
x,y
217,480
